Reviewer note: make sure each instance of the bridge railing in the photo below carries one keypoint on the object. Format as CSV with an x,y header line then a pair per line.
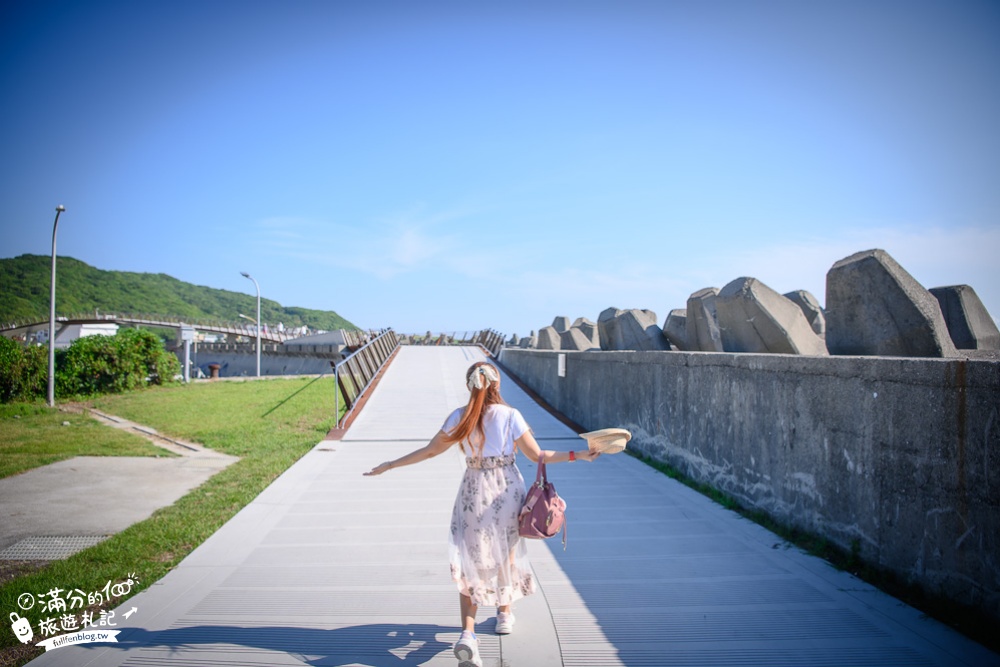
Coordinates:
x,y
167,321
356,372
489,339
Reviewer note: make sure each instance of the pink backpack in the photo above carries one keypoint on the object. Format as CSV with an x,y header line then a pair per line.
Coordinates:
x,y
544,512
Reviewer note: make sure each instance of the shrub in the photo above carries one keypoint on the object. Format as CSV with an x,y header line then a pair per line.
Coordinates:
x,y
130,359
23,371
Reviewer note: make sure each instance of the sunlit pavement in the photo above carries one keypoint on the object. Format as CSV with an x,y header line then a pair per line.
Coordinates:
x,y
327,567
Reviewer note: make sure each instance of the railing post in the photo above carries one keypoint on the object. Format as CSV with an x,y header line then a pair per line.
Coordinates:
x,y
362,366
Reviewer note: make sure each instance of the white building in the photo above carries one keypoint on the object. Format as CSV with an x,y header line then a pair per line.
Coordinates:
x,y
70,333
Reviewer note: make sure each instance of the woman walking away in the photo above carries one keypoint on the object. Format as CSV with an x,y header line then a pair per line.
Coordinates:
x,y
489,560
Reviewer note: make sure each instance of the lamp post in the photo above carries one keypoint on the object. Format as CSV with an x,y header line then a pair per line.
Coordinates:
x,y
247,275
52,314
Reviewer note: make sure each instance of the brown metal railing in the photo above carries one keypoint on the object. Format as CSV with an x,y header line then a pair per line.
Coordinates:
x,y
356,372
488,339
164,321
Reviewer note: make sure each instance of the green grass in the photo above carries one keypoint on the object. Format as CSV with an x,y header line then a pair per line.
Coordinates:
x,y
34,435
269,424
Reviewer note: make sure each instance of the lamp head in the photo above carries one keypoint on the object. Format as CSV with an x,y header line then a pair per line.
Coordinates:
x,y
60,208
244,274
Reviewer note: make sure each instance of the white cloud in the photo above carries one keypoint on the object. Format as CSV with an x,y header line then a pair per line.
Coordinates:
x,y
934,256
402,243
519,282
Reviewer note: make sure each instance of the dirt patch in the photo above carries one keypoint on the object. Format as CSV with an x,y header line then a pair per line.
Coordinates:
x,y
18,655
12,569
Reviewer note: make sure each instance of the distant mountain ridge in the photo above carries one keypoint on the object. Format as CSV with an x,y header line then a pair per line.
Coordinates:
x,y
24,295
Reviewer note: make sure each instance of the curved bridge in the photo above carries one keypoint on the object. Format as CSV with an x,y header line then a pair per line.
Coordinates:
x,y
26,327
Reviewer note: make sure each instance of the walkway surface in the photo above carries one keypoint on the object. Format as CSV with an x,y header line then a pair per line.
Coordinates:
x,y
88,498
327,567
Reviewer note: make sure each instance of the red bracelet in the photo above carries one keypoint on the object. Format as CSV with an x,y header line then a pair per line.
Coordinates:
x,y
572,455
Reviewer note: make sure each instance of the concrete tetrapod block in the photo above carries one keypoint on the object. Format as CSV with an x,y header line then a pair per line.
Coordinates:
x,y
589,330
575,339
968,321
632,329
514,341
755,318
874,307
560,323
548,339
703,333
810,307
675,328
605,326
528,342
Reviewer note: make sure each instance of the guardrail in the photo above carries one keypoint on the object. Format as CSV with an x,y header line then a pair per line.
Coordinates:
x,y
490,340
163,321
356,372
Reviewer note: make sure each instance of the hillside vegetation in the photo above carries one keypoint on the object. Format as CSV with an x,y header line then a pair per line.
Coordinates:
x,y
24,295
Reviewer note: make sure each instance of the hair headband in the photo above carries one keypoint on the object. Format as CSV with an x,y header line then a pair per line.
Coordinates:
x,y
481,373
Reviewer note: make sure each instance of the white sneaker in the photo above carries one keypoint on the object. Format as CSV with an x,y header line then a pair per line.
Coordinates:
x,y
505,623
467,650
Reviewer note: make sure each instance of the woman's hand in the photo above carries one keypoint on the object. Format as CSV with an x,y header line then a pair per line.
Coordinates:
x,y
437,445
587,455
378,470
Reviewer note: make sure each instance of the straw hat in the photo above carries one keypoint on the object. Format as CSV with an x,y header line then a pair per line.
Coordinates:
x,y
607,440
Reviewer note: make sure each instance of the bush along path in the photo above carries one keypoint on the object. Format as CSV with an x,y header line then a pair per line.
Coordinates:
x,y
131,359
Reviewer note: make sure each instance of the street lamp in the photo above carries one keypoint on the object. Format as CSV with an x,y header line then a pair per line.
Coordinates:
x,y
52,314
247,275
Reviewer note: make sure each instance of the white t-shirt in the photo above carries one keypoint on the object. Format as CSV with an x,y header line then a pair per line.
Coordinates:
x,y
499,438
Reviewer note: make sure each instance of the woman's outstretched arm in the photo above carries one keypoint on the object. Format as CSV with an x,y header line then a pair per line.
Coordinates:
x,y
527,444
437,445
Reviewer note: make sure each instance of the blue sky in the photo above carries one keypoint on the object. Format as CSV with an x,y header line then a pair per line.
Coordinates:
x,y
462,165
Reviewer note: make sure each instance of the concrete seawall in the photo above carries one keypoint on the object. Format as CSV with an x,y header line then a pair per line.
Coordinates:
x,y
898,458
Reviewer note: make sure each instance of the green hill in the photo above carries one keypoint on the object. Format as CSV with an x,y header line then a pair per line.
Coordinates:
x,y
24,295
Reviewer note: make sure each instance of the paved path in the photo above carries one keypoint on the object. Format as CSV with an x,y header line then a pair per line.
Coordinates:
x,y
327,567
66,502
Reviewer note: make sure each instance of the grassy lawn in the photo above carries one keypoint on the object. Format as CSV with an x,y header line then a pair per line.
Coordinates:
x,y
269,424
33,435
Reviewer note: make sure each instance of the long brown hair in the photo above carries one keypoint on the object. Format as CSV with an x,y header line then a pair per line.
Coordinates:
x,y
472,419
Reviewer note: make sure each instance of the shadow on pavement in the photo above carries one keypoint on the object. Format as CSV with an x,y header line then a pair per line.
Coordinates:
x,y
376,645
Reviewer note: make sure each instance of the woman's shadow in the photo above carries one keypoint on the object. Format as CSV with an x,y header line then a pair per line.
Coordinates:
x,y
375,645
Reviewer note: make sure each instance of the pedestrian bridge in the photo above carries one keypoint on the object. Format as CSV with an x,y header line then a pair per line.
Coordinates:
x,y
327,567
27,327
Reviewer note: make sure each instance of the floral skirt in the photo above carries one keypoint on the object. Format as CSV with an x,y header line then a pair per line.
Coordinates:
x,y
489,560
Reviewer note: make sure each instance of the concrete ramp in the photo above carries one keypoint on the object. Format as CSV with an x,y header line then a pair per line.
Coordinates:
x,y
327,567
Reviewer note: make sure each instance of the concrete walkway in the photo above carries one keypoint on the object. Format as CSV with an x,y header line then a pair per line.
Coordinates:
x,y
327,567
53,511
